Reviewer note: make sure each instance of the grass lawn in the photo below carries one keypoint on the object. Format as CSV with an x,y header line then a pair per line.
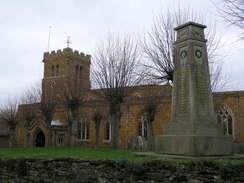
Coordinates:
x,y
89,153
64,152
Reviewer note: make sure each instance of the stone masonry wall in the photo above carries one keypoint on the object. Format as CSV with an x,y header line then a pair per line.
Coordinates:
x,y
78,170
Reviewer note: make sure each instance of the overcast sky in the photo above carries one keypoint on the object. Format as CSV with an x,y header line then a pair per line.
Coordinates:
x,y
25,27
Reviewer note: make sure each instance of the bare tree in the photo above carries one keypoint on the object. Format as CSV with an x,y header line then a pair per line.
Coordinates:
x,y
98,115
150,108
38,102
46,104
72,93
10,117
28,111
233,12
28,114
66,115
114,72
158,44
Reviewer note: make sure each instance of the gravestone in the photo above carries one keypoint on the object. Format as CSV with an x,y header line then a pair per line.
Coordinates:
x,y
134,142
193,130
145,143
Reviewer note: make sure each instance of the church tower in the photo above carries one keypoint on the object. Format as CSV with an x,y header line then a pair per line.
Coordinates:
x,y
65,65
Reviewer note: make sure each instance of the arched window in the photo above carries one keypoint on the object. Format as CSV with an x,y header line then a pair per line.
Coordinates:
x,y
80,72
142,127
108,131
76,70
85,131
224,117
57,70
79,131
53,71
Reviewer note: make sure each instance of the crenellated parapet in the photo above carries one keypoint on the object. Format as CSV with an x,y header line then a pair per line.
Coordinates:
x,y
66,63
66,53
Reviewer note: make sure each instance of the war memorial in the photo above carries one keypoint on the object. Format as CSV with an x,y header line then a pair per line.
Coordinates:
x,y
193,130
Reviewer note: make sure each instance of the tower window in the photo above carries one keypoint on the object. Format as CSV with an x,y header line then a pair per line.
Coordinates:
x,y
76,71
80,72
57,70
53,71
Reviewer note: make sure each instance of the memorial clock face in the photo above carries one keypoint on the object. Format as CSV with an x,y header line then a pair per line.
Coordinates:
x,y
183,54
198,53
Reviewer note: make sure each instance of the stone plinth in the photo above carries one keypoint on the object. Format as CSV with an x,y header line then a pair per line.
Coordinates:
x,y
194,139
194,145
193,130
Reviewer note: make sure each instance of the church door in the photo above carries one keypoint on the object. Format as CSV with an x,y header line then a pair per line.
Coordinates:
x,y
40,139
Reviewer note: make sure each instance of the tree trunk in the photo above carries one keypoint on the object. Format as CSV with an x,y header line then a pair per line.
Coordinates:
x,y
74,126
97,127
26,137
115,127
11,138
48,135
150,135
115,131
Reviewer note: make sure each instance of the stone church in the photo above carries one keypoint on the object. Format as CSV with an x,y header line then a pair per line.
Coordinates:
x,y
62,64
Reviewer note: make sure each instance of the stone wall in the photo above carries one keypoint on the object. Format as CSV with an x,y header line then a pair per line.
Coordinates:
x,y
78,170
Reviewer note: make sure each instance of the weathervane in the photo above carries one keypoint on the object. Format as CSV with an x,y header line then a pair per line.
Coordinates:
x,y
68,42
